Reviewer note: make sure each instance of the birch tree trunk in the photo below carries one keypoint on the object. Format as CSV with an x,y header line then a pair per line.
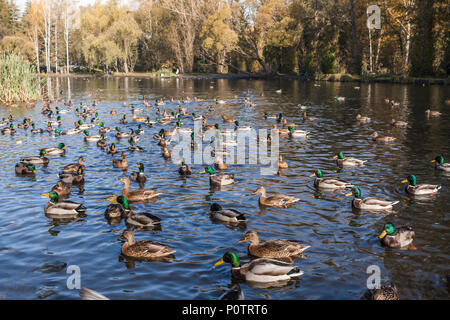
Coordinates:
x,y
56,44
66,37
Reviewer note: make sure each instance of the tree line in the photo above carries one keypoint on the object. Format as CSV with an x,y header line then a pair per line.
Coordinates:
x,y
231,36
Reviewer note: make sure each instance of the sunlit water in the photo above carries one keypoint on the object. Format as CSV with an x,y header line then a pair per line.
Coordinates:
x,y
35,251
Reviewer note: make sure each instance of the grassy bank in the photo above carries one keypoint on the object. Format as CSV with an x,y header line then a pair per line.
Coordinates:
x,y
18,81
383,79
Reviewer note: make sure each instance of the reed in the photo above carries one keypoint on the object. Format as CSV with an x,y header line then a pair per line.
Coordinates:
x,y
18,80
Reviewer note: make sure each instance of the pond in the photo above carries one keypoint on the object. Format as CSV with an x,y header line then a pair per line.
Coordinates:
x,y
36,251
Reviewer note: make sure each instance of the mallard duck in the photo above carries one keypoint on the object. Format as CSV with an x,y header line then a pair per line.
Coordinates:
x,y
287,124
219,164
73,178
112,149
122,164
139,130
378,138
133,147
419,189
89,138
25,168
281,163
297,132
281,131
329,183
383,293
342,161
62,209
360,118
41,159
307,118
73,167
267,116
371,203
120,134
275,200
138,119
62,189
34,130
226,215
139,176
143,248
60,150
397,238
218,179
440,165
88,294
275,248
103,129
338,98
139,195
123,120
55,123
184,170
399,124
102,142
10,130
239,127
260,270
73,131
429,113
140,220
229,120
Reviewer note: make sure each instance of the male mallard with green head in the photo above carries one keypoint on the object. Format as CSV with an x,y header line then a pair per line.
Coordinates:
x,y
419,189
41,159
342,161
331,184
60,150
73,178
397,238
25,168
440,165
62,209
370,203
139,176
260,270
216,179
226,215
73,167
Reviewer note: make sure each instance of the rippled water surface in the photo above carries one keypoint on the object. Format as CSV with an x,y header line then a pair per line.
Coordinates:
x,y
35,251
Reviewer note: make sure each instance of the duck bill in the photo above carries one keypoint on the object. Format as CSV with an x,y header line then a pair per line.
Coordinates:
x,y
242,240
46,195
335,157
312,175
405,181
113,201
383,234
433,160
219,262
348,194
203,171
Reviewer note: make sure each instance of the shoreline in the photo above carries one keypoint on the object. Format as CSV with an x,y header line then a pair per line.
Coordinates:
x,y
393,79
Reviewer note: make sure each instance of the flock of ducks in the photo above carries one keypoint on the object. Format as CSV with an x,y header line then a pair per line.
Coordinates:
x,y
273,258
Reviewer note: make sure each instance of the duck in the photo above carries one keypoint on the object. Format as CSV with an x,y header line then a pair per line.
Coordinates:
x,y
60,150
166,153
239,127
41,159
398,124
73,167
275,200
307,118
338,98
140,220
440,165
102,142
297,132
342,161
62,189
361,118
184,170
10,130
88,294
287,124
36,131
123,120
73,178
25,168
112,149
370,203
219,164
378,138
281,163
260,270
429,113
332,184
419,189
62,209
275,248
139,130
218,179
120,134
139,176
397,238
226,215
73,131
143,248
385,292
103,129
196,118
281,131
139,195
133,147
122,164
228,120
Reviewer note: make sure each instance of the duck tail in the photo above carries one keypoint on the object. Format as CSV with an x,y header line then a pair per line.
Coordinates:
x,y
241,217
395,202
296,272
88,294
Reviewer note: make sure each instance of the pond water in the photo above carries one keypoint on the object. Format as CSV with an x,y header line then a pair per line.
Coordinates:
x,y
35,251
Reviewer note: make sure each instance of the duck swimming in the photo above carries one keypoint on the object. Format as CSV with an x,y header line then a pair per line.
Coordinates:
x,y
62,209
139,195
112,149
371,203
25,168
73,178
139,176
440,165
73,167
397,238
216,179
342,161
226,215
275,200
60,150
419,189
41,159
143,248
122,164
333,184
